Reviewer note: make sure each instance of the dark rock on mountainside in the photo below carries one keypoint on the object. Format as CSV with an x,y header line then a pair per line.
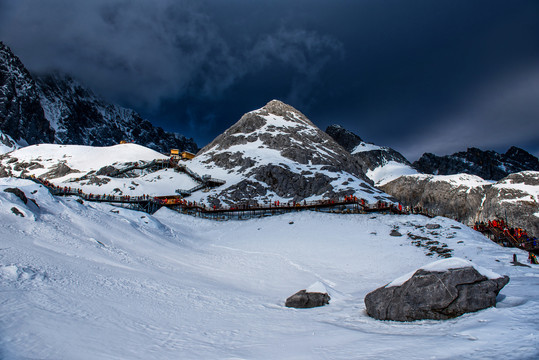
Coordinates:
x,y
21,114
56,109
304,300
370,156
19,193
435,295
467,198
489,165
81,117
347,139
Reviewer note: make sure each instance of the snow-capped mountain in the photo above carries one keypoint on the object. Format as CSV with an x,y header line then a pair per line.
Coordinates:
x,y
276,153
469,198
489,164
55,108
380,163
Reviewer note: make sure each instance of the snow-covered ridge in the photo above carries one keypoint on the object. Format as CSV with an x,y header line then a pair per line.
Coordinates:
x,y
77,166
389,172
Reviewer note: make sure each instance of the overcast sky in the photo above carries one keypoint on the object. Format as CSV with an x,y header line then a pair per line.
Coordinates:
x,y
416,75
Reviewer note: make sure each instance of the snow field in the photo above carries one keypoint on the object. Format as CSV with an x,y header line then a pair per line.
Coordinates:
x,y
91,281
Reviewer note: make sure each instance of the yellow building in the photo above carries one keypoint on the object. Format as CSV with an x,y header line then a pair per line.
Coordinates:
x,y
187,155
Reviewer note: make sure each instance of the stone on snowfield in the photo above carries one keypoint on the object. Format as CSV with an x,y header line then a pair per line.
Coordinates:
x,y
436,293
315,295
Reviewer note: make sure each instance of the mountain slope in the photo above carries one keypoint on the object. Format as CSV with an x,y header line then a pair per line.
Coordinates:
x,y
88,168
276,153
80,117
54,108
489,165
7,144
469,198
380,163
21,114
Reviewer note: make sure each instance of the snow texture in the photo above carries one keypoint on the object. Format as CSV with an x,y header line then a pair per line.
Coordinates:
x,y
445,265
93,281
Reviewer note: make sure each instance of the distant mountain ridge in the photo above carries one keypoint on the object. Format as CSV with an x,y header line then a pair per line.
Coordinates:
x,y
376,160
489,165
56,109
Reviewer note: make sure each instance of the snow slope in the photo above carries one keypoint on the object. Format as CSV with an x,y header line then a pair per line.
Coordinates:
x,y
389,172
41,160
7,144
91,281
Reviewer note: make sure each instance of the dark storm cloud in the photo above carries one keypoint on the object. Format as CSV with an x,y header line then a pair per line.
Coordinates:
x,y
140,52
419,75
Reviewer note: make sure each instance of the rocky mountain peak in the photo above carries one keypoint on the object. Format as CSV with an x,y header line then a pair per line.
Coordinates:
x,y
279,108
276,151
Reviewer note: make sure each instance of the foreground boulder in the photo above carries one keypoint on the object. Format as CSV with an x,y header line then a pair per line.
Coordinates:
x,y
441,290
315,295
303,299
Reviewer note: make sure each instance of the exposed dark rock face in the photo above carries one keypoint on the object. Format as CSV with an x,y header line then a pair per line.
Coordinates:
x,y
347,139
303,300
486,164
56,109
435,295
472,199
21,114
17,192
17,211
80,117
369,156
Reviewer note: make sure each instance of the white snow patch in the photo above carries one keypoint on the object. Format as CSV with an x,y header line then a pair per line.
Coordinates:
x,y
445,265
389,172
317,287
363,146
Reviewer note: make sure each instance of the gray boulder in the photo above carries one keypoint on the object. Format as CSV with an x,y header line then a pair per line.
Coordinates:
x,y
303,299
435,295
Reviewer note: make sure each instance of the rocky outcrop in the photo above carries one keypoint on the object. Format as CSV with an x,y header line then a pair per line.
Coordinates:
x,y
18,193
489,165
347,139
370,156
437,295
21,114
303,299
468,198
